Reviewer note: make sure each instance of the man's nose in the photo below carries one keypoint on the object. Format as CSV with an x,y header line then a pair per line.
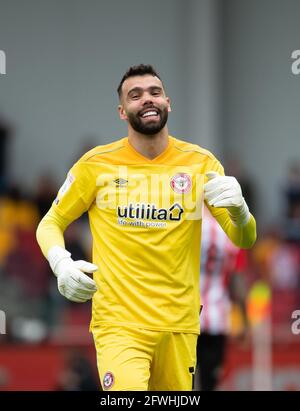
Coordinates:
x,y
147,99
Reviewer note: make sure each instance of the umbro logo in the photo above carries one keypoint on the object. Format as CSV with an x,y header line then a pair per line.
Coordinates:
x,y
121,182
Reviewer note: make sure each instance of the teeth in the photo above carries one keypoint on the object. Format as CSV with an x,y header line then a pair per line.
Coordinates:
x,y
150,113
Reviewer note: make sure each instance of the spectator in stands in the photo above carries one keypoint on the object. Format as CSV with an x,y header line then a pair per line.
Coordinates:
x,y
78,374
222,266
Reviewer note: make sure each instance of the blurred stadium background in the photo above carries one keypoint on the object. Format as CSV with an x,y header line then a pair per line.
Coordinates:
x,y
227,67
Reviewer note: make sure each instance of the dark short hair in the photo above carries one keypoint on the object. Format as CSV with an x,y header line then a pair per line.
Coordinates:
x,y
140,70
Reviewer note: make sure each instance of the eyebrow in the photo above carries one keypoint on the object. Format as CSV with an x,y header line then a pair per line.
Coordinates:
x,y
139,89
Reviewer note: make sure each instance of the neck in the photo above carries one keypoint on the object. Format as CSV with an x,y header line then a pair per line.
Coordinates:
x,y
149,146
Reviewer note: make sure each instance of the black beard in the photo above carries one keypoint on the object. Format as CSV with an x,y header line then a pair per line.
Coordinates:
x,y
150,128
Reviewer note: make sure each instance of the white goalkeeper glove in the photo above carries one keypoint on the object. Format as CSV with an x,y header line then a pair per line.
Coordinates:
x,y
71,281
225,192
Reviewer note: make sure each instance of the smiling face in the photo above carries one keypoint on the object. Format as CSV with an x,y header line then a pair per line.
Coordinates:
x,y
144,104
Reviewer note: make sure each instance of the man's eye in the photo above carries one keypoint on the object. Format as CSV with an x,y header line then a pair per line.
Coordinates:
x,y
134,96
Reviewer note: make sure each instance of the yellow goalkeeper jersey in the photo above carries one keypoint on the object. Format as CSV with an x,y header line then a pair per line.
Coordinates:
x,y
145,219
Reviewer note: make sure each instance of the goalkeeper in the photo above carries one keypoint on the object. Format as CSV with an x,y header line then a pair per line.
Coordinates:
x,y
144,195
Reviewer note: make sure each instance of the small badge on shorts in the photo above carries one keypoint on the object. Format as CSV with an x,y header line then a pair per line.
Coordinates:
x,y
108,380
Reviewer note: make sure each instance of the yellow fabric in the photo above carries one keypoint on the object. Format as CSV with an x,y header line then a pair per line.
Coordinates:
x,y
141,360
148,273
